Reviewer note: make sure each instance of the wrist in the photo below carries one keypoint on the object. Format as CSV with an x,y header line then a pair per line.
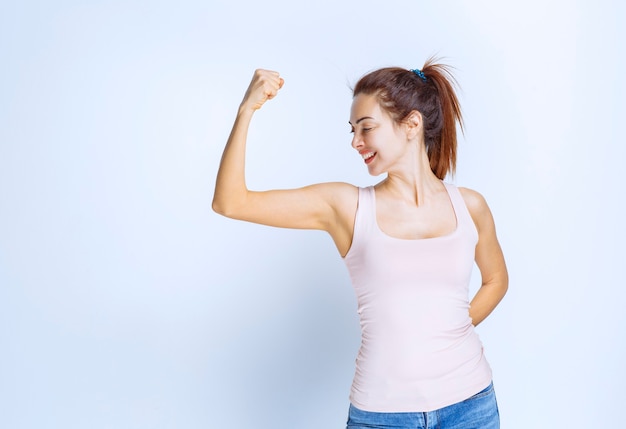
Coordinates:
x,y
245,110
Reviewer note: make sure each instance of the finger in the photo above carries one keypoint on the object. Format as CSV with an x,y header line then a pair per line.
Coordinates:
x,y
275,81
271,94
281,82
274,76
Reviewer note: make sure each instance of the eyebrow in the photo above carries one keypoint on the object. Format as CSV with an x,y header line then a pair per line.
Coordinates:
x,y
361,119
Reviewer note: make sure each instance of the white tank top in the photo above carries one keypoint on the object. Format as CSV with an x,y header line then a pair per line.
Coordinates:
x,y
419,351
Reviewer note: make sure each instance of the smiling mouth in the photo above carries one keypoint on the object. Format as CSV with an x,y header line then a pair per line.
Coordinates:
x,y
369,157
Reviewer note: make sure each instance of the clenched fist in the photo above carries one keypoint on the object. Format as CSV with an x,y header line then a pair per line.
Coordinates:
x,y
264,86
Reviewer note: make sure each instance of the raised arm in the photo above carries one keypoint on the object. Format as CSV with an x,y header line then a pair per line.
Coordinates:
x,y
231,194
326,206
489,259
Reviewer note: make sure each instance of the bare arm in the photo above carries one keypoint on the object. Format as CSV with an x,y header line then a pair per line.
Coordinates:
x,y
489,259
231,193
326,206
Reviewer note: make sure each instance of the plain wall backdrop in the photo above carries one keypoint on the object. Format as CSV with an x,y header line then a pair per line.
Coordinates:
x,y
125,302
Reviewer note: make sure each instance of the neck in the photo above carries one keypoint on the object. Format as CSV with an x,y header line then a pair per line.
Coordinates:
x,y
412,180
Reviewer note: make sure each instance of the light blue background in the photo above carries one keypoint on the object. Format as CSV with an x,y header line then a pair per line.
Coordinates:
x,y
125,302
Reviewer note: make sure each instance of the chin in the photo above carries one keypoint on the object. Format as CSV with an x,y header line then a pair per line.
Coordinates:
x,y
375,172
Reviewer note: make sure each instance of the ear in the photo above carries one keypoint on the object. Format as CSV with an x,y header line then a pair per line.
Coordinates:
x,y
414,124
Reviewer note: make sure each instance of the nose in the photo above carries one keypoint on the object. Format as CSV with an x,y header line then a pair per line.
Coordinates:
x,y
357,141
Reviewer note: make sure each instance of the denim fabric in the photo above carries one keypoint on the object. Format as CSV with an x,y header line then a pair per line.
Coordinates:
x,y
477,412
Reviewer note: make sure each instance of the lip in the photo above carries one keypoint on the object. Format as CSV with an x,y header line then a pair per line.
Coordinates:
x,y
369,159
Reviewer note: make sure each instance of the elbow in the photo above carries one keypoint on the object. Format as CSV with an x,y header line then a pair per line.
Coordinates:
x,y
220,208
505,282
498,285
217,207
225,208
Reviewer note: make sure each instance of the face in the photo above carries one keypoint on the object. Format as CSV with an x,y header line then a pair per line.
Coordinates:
x,y
378,139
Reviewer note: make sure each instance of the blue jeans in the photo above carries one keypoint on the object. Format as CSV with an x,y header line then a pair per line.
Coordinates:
x,y
477,412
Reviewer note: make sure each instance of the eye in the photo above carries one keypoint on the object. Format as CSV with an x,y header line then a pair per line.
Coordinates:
x,y
367,129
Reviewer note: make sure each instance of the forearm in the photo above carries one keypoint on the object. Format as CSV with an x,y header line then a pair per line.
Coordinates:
x,y
487,298
230,185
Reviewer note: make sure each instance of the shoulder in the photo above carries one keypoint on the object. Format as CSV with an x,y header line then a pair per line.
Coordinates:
x,y
477,206
345,199
341,197
473,199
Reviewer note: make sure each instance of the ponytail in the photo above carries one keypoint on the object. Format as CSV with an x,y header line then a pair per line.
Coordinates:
x,y
430,91
440,130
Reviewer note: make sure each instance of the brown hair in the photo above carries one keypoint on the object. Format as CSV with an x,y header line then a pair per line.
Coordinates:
x,y
401,91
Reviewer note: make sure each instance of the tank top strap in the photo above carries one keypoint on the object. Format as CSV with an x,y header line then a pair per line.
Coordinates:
x,y
364,220
366,212
463,216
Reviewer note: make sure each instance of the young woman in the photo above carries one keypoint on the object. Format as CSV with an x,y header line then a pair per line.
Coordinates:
x,y
409,243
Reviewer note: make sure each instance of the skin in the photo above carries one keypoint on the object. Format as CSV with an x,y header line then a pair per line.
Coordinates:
x,y
411,202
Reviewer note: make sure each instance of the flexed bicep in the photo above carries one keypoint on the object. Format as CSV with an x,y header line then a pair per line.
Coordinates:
x,y
326,206
330,207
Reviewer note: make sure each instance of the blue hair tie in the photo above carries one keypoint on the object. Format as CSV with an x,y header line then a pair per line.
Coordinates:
x,y
419,73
